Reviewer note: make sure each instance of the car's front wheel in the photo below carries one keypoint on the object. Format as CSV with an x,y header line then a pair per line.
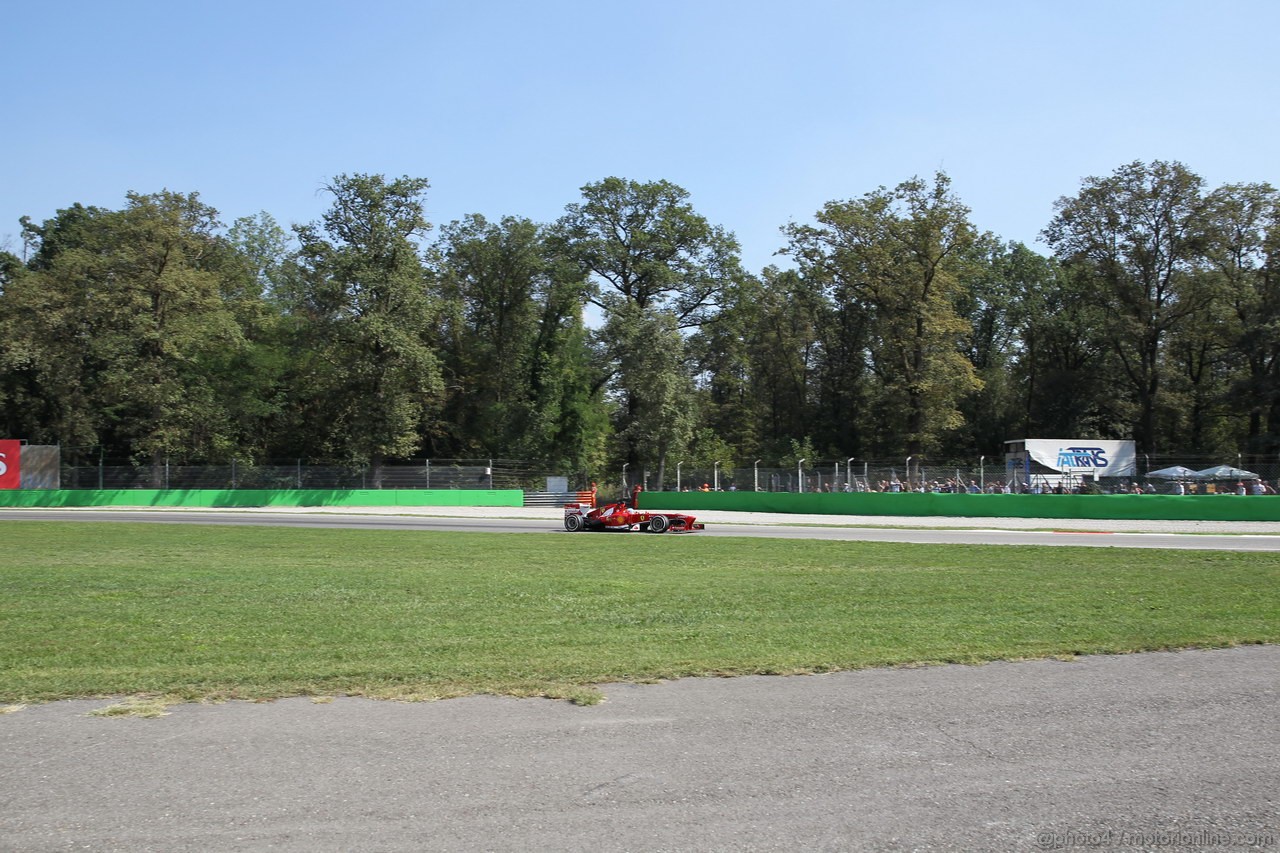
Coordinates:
x,y
658,524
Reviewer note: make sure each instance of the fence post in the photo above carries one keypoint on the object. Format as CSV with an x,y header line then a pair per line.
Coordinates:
x,y
299,474
428,473
233,472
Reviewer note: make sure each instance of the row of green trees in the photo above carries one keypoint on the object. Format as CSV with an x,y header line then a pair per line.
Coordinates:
x,y
627,330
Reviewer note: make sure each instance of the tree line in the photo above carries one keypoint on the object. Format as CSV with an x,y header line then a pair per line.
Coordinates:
x,y
627,331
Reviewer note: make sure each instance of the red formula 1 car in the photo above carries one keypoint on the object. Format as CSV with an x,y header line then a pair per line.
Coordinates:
x,y
623,516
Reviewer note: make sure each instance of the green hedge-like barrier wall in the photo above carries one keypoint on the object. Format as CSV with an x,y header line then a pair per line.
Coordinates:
x,y
261,497
1145,507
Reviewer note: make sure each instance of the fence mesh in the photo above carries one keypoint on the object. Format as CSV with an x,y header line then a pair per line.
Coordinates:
x,y
83,469
79,471
991,476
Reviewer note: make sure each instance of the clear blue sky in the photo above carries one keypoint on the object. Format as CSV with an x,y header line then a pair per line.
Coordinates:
x,y
762,111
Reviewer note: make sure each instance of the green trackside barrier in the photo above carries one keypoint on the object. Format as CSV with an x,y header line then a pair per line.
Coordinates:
x,y
1143,507
261,497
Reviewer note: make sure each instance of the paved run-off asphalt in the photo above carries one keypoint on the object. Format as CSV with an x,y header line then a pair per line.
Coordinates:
x,y
1144,749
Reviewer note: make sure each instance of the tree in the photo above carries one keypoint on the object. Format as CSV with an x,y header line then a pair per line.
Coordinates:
x,y
721,353
515,352
259,268
263,247
1201,369
17,391
1242,236
643,244
1136,236
123,324
896,259
988,305
51,322
1027,343
1061,365
707,449
488,276
655,398
365,321
790,384
656,267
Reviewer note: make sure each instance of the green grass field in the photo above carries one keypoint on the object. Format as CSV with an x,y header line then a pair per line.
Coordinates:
x,y
104,609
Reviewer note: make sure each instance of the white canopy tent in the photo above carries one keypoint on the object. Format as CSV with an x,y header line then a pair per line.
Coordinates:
x,y
1225,472
1176,472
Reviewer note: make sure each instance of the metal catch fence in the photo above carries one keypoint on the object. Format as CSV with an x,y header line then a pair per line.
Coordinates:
x,y
79,473
985,476
82,468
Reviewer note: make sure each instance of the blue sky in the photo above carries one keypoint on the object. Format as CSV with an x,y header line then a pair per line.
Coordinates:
x,y
762,111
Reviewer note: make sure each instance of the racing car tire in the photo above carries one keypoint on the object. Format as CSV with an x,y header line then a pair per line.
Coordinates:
x,y
658,524
573,523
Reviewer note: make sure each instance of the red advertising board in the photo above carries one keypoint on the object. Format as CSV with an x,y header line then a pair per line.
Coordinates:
x,y
10,456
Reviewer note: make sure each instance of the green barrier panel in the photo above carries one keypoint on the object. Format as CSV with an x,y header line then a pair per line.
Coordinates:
x,y
1142,507
261,497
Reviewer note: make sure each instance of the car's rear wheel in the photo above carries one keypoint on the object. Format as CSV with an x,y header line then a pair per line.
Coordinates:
x,y
573,523
658,524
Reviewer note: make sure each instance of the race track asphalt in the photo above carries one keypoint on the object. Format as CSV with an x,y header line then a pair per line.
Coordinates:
x,y
1185,535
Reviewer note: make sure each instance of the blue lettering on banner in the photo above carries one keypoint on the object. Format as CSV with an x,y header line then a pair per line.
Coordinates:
x,y
1082,457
